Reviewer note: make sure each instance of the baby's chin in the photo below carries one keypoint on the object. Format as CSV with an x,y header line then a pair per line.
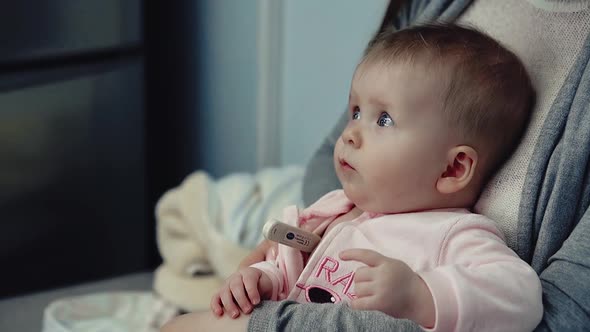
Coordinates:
x,y
368,203
360,199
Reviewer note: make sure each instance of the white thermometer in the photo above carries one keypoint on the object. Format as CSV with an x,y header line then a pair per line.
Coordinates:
x,y
291,236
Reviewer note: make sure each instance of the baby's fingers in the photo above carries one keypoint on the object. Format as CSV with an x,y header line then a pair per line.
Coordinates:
x,y
364,289
229,305
364,274
239,294
251,286
216,305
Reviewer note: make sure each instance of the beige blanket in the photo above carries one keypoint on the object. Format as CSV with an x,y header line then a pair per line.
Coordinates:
x,y
206,227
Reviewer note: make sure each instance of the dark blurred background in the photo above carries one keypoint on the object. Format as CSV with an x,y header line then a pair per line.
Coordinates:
x,y
97,117
106,104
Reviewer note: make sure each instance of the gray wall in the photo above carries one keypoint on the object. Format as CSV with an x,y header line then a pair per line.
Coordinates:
x,y
321,43
227,82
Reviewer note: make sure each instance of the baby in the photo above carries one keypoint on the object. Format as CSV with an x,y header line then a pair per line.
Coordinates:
x,y
434,110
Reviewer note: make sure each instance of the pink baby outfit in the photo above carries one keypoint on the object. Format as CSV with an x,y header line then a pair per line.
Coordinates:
x,y
476,281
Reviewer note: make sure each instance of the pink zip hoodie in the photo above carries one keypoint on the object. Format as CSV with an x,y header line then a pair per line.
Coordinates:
x,y
476,281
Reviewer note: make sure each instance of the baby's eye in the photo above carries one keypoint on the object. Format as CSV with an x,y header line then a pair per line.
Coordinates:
x,y
356,113
384,120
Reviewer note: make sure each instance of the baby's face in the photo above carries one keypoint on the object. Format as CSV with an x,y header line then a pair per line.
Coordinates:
x,y
394,148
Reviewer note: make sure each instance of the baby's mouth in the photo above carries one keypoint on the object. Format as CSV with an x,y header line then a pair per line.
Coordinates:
x,y
345,164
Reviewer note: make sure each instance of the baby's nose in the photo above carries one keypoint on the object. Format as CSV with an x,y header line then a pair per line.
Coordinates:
x,y
352,136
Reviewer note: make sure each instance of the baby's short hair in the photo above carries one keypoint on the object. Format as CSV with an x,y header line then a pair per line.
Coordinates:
x,y
487,94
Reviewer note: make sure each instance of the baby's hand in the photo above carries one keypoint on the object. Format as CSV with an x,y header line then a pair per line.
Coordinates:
x,y
390,286
241,291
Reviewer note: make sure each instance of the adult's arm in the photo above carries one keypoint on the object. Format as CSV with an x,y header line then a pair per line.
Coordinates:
x,y
566,283
293,316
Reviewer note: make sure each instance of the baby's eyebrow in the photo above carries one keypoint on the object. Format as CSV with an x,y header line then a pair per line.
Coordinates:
x,y
378,103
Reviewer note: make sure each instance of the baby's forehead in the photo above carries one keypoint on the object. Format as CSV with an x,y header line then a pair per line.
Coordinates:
x,y
387,70
388,79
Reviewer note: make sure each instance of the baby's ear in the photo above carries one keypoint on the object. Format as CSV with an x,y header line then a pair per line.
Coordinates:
x,y
461,163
